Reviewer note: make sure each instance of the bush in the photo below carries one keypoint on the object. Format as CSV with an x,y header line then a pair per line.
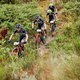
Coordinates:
x,y
10,15
77,27
77,45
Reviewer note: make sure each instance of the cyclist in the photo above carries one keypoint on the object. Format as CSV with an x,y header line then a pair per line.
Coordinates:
x,y
41,26
51,7
52,18
23,36
39,21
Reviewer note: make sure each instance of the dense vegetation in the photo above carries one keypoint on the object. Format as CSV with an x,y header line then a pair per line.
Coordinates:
x,y
10,15
14,1
65,43
67,40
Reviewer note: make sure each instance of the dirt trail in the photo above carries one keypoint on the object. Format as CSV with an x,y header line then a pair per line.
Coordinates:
x,y
47,67
51,68
43,6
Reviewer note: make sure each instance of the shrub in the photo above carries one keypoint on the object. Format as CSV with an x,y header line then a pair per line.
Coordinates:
x,y
20,13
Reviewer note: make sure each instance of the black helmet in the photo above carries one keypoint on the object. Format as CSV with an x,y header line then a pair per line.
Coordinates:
x,y
18,26
37,17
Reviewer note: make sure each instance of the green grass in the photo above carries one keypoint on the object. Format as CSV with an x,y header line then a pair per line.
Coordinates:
x,y
66,42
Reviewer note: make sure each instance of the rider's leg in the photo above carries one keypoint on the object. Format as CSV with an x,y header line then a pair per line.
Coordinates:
x,y
20,50
45,31
43,38
53,31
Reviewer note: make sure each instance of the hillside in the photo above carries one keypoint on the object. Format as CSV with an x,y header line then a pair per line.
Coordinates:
x,y
59,59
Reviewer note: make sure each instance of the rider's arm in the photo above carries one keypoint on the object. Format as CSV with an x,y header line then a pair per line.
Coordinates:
x,y
54,17
32,25
26,37
11,36
56,10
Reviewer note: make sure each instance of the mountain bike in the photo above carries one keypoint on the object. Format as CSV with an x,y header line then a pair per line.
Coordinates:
x,y
18,50
40,37
52,27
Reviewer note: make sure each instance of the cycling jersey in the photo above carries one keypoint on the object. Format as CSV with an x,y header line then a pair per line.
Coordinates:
x,y
22,34
51,16
40,23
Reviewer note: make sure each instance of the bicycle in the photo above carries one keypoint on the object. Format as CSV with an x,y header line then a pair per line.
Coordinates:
x,y
18,50
40,37
52,27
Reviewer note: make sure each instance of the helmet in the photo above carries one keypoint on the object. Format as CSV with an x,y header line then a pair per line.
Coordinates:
x,y
51,4
18,25
49,11
36,17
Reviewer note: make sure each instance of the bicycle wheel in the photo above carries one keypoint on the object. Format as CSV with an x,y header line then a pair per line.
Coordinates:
x,y
20,54
43,39
38,40
52,29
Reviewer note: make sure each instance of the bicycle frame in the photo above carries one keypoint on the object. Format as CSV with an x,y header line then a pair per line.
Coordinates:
x,y
38,38
17,51
52,27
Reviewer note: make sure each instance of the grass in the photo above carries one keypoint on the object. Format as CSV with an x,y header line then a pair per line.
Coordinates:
x,y
61,62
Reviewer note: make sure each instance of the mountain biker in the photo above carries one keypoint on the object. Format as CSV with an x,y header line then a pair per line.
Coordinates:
x,y
51,7
23,36
51,17
40,24
39,21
